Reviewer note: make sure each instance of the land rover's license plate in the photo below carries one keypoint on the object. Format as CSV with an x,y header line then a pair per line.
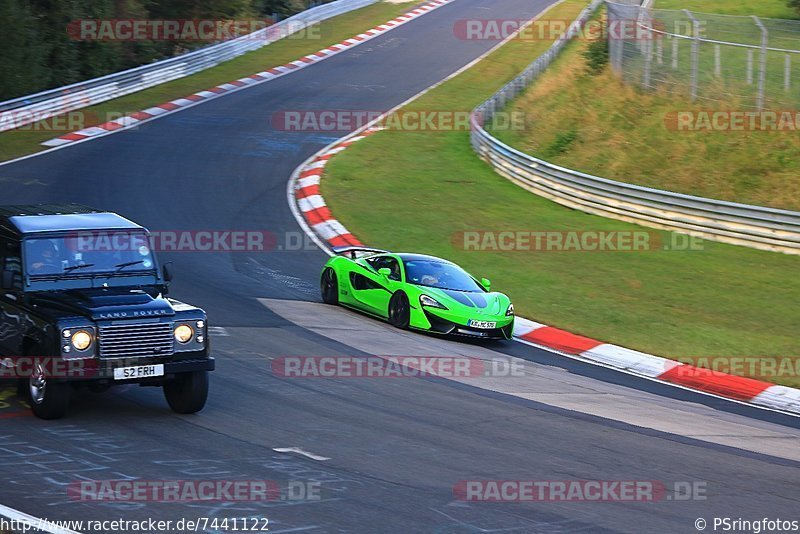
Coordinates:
x,y
140,371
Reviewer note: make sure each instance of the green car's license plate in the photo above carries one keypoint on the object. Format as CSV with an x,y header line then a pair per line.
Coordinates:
x,y
483,324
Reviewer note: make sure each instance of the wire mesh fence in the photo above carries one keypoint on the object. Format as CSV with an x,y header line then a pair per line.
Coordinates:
x,y
751,62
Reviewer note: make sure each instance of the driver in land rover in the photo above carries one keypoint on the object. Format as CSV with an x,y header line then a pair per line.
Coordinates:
x,y
43,252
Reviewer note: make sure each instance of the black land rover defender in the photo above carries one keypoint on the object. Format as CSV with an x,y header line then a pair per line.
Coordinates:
x,y
82,304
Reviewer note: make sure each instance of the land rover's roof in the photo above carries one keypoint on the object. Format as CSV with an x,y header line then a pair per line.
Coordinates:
x,y
60,218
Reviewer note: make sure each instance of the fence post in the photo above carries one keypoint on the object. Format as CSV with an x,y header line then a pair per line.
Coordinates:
x,y
675,53
695,51
648,53
749,66
787,73
762,74
717,61
660,50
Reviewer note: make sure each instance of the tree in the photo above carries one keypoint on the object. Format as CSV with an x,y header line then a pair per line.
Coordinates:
x,y
21,53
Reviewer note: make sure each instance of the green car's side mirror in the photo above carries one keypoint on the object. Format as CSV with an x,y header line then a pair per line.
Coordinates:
x,y
486,284
385,272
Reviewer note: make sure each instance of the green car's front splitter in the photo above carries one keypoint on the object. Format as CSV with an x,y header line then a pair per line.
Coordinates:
x,y
441,321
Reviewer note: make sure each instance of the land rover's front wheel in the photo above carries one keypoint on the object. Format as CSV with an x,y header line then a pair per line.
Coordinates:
x,y
47,396
187,392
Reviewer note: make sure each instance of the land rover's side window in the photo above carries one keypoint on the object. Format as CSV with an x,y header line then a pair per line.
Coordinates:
x,y
11,260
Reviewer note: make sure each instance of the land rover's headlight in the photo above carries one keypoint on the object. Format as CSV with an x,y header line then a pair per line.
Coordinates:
x,y
183,333
81,340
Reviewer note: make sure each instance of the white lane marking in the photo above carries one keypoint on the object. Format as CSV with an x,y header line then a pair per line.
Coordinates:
x,y
298,450
218,331
42,525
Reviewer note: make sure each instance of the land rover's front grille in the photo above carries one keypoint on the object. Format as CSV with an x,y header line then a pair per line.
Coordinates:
x,y
136,340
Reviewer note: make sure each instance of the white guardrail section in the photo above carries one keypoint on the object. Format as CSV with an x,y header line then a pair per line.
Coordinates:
x,y
729,222
33,108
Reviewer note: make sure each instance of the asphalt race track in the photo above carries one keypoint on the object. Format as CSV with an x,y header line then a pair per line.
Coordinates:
x,y
390,450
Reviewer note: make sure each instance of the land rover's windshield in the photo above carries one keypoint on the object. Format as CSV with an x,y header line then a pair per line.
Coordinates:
x,y
114,253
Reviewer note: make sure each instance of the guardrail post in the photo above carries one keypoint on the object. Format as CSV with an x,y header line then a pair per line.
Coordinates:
x,y
695,51
762,74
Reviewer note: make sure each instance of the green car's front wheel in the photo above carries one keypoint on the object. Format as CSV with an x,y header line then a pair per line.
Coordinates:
x,y
399,310
329,286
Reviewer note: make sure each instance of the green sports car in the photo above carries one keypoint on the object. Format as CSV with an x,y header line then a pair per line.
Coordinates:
x,y
416,291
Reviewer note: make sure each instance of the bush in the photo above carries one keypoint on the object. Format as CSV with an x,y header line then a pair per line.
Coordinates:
x,y
596,55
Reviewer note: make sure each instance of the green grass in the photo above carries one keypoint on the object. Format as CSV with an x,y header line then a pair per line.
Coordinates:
x,y
777,9
415,190
620,132
28,140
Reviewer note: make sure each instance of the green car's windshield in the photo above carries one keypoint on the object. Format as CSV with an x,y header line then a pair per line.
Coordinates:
x,y
441,275
88,254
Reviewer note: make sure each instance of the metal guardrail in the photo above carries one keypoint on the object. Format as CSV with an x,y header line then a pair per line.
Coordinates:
x,y
729,222
33,108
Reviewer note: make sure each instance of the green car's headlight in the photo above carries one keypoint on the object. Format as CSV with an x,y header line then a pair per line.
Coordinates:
x,y
431,302
510,310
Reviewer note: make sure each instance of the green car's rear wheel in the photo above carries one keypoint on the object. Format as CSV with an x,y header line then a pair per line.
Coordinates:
x,y
329,286
399,310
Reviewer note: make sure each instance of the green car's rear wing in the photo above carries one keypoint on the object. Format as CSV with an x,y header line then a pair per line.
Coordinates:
x,y
354,252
